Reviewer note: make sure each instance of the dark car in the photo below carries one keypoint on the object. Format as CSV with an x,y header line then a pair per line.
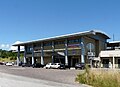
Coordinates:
x,y
1,63
37,65
63,66
26,65
79,65
67,66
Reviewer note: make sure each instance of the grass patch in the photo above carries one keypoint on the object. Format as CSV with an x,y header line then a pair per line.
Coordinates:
x,y
100,77
7,59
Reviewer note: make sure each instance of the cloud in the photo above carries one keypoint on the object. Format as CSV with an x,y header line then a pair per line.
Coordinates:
x,y
4,46
7,46
15,48
10,47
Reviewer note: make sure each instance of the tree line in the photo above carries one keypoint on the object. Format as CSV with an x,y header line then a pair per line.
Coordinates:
x,y
8,54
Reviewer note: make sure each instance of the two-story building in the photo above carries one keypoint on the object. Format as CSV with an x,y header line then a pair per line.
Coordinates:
x,y
67,49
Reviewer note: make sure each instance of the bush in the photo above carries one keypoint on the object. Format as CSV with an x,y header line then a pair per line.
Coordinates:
x,y
100,77
13,58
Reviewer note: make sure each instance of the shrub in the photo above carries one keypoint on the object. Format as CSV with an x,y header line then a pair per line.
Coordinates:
x,y
100,77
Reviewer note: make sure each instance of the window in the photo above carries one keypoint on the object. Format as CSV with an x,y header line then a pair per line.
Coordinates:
x,y
48,44
29,48
37,45
74,41
59,42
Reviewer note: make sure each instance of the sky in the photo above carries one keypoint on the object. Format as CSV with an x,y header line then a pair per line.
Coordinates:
x,y
26,20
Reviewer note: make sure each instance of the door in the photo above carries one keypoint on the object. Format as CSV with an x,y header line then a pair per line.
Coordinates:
x,y
118,63
74,61
105,63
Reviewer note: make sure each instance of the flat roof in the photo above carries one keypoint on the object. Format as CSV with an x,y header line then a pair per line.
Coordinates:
x,y
64,36
110,53
114,42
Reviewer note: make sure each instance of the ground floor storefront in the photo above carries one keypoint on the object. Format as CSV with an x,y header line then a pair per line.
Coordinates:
x,y
110,59
110,62
72,60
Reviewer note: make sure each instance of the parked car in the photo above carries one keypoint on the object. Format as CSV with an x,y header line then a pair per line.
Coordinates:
x,y
26,65
62,66
79,65
48,66
67,66
9,64
2,63
37,65
55,66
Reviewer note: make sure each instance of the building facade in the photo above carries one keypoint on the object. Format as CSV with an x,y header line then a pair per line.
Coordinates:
x,y
110,58
67,49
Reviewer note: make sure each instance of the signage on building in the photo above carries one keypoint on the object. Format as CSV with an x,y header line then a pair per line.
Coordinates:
x,y
91,55
73,45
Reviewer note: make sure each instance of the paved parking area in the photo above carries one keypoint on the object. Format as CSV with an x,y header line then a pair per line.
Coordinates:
x,y
8,80
54,75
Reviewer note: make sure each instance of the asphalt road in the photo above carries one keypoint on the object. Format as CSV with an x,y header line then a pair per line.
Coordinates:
x,y
46,75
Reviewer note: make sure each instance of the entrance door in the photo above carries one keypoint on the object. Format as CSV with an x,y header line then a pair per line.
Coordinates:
x,y
59,59
74,61
106,63
118,63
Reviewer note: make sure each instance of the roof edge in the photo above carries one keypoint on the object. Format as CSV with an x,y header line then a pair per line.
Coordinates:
x,y
64,36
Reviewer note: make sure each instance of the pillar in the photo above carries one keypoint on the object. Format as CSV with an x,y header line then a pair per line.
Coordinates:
x,y
18,56
42,59
66,52
82,50
24,54
52,51
113,62
33,55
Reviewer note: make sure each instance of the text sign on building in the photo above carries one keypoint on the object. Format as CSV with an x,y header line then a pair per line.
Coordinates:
x,y
73,45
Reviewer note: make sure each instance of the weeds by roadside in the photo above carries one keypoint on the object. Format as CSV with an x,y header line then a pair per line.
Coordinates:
x,y
100,77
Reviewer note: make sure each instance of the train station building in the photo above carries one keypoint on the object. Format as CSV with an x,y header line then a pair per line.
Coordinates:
x,y
66,49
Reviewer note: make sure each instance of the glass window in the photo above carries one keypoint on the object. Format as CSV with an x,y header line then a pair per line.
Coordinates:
x,y
74,41
29,49
59,42
37,45
48,44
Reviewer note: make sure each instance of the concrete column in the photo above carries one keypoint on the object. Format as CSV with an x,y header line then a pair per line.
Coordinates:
x,y
24,54
52,51
66,52
42,53
18,56
113,62
82,51
33,54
